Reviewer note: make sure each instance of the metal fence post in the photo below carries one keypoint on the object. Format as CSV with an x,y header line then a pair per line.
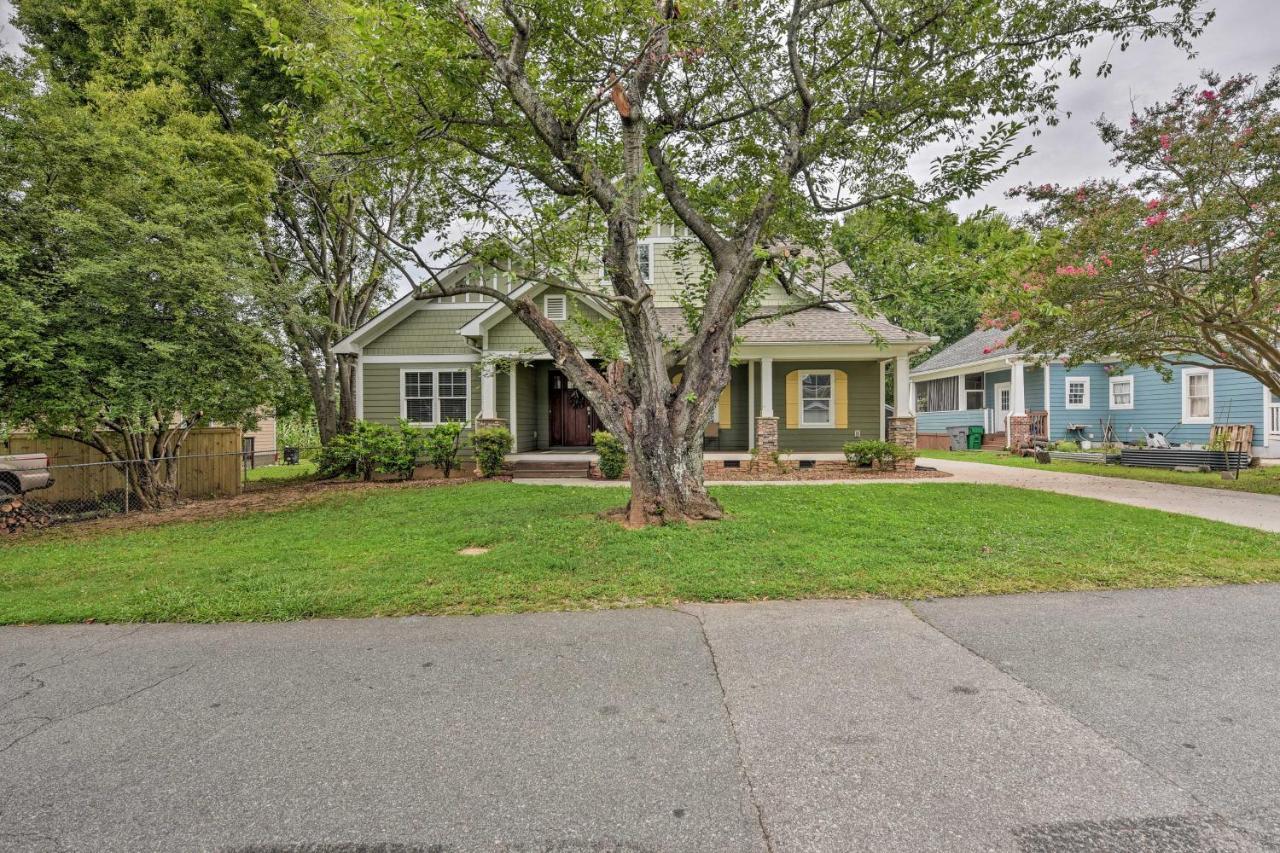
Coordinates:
x,y
126,490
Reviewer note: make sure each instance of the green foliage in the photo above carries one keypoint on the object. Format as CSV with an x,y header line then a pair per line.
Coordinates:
x,y
441,444
926,269
367,449
128,258
1179,257
612,452
882,454
491,446
1065,446
297,430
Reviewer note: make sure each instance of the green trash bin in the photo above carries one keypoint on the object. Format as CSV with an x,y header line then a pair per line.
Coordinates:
x,y
975,438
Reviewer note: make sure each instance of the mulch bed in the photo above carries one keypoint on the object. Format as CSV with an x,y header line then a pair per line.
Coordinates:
x,y
273,499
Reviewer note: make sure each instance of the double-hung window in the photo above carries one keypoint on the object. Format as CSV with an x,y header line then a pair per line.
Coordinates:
x,y
973,390
817,399
644,260
1197,395
1077,392
434,396
1122,392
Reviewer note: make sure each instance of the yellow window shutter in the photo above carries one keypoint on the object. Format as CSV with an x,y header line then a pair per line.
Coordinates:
x,y
725,406
793,400
841,401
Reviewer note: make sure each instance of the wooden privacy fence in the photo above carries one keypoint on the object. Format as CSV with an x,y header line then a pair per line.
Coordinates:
x,y
209,464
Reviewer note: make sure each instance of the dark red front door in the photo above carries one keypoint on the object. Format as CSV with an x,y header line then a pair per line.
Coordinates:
x,y
572,419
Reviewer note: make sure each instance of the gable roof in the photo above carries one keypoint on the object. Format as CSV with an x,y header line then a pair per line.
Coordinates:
x,y
809,325
970,350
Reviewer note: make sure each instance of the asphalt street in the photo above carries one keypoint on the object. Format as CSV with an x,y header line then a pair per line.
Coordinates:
x,y
1134,721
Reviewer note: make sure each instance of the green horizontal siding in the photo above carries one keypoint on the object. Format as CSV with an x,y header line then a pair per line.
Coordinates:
x,y
426,332
512,335
864,406
382,389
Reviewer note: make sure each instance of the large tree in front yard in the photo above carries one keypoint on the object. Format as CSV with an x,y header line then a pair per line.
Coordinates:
x,y
127,228
569,126
1178,261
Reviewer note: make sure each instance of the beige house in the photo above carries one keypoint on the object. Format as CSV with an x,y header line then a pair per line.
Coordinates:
x,y
816,377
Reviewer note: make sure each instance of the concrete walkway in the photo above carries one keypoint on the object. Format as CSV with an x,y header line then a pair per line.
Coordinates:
x,y
1243,508
1128,721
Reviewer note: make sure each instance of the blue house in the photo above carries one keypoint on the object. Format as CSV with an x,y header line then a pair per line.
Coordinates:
x,y
982,380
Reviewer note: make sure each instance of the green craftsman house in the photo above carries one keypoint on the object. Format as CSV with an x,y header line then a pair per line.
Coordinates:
x,y
804,383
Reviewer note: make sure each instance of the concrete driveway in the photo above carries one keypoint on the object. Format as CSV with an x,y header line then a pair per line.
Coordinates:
x,y
1243,508
1135,721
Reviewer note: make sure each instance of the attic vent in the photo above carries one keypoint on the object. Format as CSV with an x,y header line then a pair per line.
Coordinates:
x,y
555,306
806,463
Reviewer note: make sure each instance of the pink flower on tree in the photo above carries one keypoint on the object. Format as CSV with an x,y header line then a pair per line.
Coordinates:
x,y
1209,95
986,350
1154,203
1166,141
1155,219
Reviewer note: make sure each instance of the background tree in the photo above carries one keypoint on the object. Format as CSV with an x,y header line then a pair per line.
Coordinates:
x,y
323,278
127,241
928,270
752,123
1180,260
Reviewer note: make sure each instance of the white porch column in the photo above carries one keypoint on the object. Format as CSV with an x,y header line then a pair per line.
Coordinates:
x,y
1018,390
902,387
766,387
488,392
751,405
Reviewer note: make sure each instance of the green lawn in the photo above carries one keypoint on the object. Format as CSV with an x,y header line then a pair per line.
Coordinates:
x,y
1261,481
395,552
304,468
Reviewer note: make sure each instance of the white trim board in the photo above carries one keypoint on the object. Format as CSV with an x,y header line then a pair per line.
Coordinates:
x,y
420,359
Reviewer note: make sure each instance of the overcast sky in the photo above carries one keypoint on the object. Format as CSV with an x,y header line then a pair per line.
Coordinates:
x,y
1245,37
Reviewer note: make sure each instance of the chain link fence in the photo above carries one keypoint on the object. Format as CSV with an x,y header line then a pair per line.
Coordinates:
x,y
89,490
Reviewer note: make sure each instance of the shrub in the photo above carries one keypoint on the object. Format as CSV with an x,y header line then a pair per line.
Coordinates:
x,y
882,454
368,448
413,443
491,447
1066,446
441,444
613,454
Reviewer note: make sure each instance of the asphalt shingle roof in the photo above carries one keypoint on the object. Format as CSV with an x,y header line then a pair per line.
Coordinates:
x,y
969,349
810,325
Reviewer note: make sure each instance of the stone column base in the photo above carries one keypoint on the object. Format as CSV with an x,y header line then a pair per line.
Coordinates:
x,y
766,441
902,432
491,423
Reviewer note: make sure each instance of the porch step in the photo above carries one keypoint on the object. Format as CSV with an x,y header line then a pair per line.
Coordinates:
x,y
994,440
528,469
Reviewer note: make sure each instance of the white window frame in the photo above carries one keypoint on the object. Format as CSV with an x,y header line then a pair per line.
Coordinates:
x,y
1111,392
435,394
558,316
1066,397
831,410
1187,373
646,269
964,392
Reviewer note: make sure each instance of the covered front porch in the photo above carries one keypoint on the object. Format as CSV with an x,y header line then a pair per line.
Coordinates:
x,y
797,400
1008,398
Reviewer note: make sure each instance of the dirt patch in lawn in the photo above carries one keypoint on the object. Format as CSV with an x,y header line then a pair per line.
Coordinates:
x,y
274,499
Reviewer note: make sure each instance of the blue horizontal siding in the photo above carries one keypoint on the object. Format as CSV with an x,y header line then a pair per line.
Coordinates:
x,y
1237,399
939,421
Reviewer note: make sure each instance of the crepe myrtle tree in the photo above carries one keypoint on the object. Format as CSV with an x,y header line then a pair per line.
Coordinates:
x,y
1180,260
752,123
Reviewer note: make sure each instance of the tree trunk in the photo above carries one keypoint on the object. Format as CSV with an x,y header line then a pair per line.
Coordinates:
x,y
346,416
154,482
666,475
